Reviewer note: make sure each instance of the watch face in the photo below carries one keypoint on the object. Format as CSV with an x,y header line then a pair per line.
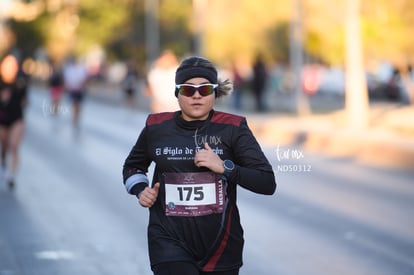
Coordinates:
x,y
228,164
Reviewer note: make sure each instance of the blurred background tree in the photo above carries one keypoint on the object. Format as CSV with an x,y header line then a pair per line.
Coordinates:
x,y
242,28
233,28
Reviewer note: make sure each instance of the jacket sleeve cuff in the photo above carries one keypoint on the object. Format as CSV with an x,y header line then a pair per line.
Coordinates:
x,y
136,183
138,188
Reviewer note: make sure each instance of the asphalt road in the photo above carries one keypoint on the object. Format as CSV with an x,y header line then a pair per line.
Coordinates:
x,y
70,214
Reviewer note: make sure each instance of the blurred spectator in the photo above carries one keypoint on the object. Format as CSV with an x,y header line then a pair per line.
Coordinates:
x,y
130,84
56,87
395,85
389,83
13,99
259,82
403,87
160,83
410,83
75,76
237,86
410,72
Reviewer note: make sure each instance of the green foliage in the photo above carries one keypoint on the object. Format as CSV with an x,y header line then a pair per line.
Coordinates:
x,y
29,35
233,28
100,22
278,42
387,31
175,26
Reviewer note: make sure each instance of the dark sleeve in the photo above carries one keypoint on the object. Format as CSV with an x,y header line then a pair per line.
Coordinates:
x,y
136,166
253,171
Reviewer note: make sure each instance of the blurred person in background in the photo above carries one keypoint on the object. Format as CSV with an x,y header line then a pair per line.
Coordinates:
x,y
130,84
259,82
13,100
237,86
75,77
159,80
409,80
397,87
56,87
201,156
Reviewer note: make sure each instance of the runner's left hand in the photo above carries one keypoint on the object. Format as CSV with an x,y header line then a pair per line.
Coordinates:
x,y
207,158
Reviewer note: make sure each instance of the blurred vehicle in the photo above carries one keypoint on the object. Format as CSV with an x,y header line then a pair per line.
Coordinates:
x,y
332,81
378,89
381,86
311,78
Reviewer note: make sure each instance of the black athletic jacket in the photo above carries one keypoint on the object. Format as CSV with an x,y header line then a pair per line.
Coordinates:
x,y
212,241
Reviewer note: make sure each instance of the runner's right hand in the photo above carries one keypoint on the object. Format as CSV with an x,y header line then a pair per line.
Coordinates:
x,y
149,195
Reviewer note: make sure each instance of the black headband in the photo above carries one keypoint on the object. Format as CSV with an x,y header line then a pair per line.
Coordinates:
x,y
186,72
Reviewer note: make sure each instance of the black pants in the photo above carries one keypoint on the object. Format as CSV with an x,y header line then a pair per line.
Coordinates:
x,y
186,268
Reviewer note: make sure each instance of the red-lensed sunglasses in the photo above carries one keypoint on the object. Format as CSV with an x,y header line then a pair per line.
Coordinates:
x,y
190,89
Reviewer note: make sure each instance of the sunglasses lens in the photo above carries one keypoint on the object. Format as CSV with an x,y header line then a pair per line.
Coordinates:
x,y
206,90
188,90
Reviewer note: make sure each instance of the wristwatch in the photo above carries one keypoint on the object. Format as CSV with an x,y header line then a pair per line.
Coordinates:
x,y
228,167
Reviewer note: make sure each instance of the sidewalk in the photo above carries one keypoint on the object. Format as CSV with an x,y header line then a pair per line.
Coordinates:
x,y
387,142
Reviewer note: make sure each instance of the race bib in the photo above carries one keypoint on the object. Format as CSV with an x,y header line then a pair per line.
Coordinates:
x,y
193,194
